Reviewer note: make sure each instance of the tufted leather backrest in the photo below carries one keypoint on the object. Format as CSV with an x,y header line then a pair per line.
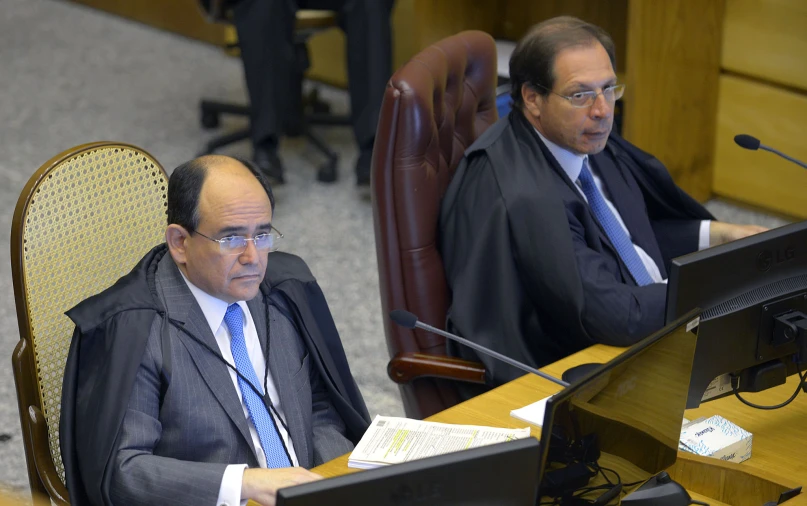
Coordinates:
x,y
434,108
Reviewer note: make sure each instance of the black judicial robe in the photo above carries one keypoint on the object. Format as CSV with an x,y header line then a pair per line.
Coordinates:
x,y
112,329
509,253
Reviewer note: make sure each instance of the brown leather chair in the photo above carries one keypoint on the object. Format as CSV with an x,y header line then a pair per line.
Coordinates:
x,y
81,222
434,107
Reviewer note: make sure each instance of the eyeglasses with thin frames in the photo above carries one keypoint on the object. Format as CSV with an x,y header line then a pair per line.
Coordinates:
x,y
583,99
237,244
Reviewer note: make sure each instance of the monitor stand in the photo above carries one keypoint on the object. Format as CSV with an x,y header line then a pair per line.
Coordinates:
x,y
578,372
660,490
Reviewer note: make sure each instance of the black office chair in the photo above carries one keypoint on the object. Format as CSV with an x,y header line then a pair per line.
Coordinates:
x,y
310,109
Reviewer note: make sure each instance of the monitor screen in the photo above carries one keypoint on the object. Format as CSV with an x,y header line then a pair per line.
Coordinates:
x,y
626,415
461,478
746,288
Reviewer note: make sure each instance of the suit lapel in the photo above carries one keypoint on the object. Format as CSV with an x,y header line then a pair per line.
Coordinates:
x,y
625,201
282,357
182,307
629,202
575,191
284,360
258,312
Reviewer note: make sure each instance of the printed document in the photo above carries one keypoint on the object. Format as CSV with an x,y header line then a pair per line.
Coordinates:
x,y
391,440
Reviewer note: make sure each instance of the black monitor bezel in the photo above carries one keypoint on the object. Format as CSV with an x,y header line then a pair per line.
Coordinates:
x,y
528,448
759,270
709,254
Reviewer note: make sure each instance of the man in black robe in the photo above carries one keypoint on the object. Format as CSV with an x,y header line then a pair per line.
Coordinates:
x,y
212,373
556,234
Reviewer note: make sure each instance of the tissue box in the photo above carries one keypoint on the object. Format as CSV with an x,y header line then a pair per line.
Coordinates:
x,y
716,437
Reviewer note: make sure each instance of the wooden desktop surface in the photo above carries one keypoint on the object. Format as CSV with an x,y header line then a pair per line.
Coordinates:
x,y
780,437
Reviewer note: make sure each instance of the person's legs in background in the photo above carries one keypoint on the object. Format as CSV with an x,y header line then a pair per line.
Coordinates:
x,y
265,35
369,64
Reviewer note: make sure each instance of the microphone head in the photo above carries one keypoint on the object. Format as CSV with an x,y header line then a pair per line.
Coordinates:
x,y
746,141
403,318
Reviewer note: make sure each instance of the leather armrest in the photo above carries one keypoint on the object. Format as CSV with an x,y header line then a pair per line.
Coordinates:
x,y
43,459
406,367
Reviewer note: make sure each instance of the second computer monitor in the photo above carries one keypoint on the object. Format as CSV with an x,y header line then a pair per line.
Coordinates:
x,y
753,293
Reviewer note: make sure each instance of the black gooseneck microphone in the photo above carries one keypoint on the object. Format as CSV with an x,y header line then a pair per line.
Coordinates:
x,y
410,321
752,143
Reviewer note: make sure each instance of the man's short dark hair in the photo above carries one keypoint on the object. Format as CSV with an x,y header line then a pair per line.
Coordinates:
x,y
533,60
185,186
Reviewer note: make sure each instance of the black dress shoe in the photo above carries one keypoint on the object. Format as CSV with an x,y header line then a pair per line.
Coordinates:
x,y
363,166
270,164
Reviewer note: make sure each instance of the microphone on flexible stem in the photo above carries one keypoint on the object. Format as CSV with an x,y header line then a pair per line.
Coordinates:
x,y
752,143
410,321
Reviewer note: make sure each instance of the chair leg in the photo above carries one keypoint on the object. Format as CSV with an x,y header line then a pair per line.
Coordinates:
x,y
224,108
210,117
327,172
327,119
211,111
224,140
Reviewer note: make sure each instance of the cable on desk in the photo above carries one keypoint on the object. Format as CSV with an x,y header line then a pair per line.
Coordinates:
x,y
634,483
735,386
578,496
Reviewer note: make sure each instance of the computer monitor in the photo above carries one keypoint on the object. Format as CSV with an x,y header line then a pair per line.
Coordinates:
x,y
464,478
625,415
753,293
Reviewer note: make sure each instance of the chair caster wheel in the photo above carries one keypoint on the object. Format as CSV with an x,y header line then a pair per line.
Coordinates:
x,y
327,173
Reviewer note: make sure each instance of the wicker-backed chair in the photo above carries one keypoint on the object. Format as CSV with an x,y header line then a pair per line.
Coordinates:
x,y
83,220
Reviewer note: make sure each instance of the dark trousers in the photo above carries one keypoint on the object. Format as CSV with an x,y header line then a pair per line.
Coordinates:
x,y
266,37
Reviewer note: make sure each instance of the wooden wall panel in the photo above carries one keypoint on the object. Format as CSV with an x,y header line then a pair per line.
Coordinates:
x,y
778,118
416,24
767,39
673,57
519,15
327,49
438,19
184,17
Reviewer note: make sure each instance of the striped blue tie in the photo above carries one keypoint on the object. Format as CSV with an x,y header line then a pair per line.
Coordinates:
x,y
619,238
267,433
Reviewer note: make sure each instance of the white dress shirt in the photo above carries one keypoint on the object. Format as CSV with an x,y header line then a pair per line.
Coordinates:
x,y
572,165
214,309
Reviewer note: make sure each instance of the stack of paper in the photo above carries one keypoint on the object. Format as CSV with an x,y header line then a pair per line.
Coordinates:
x,y
391,440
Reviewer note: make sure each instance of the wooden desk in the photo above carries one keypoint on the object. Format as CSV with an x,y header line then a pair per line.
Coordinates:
x,y
779,455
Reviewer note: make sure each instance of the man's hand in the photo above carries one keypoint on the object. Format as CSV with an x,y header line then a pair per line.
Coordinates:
x,y
261,485
721,233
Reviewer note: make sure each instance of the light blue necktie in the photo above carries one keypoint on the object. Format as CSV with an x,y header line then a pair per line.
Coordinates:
x,y
267,433
619,238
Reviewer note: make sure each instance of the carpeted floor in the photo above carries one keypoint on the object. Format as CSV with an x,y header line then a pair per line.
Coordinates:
x,y
71,75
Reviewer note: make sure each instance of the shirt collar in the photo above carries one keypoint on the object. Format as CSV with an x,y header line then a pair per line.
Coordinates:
x,y
212,308
571,163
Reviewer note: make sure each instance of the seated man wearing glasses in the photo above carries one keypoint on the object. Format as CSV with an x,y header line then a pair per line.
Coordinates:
x,y
556,233
212,373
